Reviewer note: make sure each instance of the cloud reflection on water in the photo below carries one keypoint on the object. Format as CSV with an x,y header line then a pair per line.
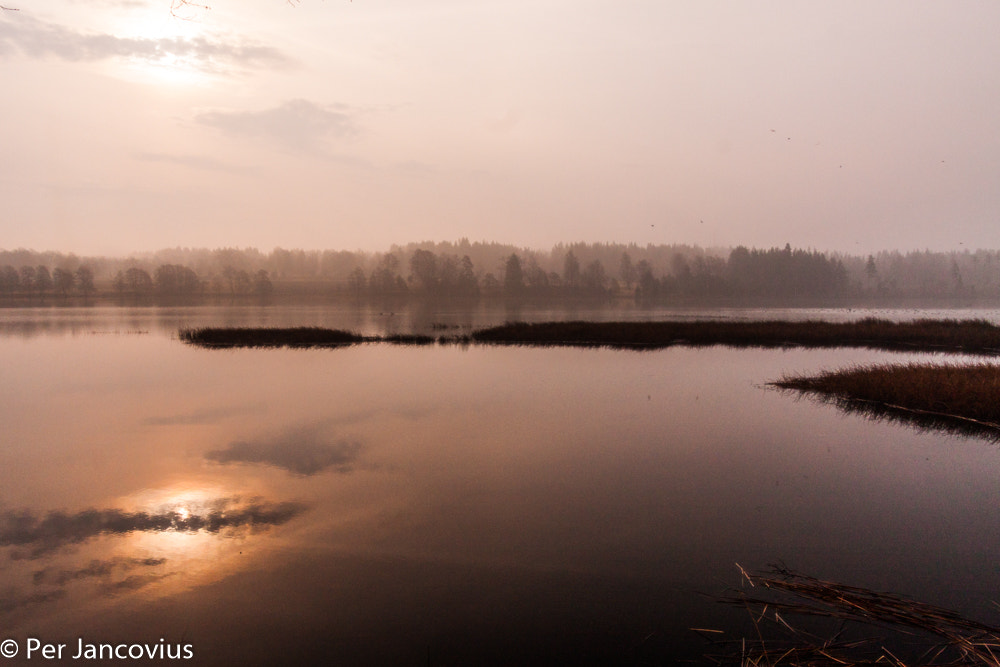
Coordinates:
x,y
44,534
302,451
13,600
97,568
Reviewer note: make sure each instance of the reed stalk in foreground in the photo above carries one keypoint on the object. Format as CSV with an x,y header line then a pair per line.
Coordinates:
x,y
929,635
957,397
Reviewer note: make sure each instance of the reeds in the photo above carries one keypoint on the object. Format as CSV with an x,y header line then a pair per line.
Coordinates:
x,y
866,623
977,336
406,339
295,337
222,337
962,398
933,335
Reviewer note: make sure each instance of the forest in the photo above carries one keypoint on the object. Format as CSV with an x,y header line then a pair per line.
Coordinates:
x,y
648,274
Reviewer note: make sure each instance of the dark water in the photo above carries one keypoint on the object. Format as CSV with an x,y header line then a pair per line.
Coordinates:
x,y
446,505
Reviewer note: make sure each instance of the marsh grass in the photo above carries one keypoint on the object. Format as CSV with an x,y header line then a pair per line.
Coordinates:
x,y
223,337
861,625
406,339
977,336
294,337
962,398
934,335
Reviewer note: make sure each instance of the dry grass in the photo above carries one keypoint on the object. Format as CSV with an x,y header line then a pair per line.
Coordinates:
x,y
920,633
957,397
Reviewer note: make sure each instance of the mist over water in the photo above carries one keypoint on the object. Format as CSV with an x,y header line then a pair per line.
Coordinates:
x,y
380,504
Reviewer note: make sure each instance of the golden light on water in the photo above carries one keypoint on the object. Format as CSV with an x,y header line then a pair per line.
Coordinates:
x,y
201,553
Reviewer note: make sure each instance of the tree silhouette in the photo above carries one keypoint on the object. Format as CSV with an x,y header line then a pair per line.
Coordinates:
x,y
467,284
424,271
594,280
571,271
357,282
648,287
262,283
27,278
176,279
385,279
62,281
513,276
85,281
133,281
10,280
626,270
535,276
43,279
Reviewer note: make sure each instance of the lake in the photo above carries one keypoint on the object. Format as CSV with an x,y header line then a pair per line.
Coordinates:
x,y
448,505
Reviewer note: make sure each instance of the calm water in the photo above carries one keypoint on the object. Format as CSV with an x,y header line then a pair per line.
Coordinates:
x,y
447,505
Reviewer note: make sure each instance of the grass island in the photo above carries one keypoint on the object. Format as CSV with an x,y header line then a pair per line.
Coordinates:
x,y
968,336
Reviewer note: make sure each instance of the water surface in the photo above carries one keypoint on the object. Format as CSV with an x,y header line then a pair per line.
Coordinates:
x,y
447,505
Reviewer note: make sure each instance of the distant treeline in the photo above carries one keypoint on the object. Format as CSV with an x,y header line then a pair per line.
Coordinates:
x,y
652,273
32,280
167,280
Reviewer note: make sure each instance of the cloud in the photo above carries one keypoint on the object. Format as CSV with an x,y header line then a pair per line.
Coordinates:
x,y
44,534
38,39
301,451
299,124
205,416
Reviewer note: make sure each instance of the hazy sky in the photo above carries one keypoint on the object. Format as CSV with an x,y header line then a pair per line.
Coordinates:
x,y
850,125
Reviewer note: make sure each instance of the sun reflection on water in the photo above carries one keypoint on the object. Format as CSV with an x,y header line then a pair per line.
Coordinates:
x,y
154,543
208,527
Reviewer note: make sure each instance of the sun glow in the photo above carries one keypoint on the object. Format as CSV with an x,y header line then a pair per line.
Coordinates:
x,y
164,47
196,552
168,71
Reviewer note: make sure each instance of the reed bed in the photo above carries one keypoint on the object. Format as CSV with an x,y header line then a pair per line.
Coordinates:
x,y
407,339
958,397
972,336
864,624
295,337
229,337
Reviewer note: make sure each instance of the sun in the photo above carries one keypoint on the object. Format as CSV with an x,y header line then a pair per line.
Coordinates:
x,y
163,45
